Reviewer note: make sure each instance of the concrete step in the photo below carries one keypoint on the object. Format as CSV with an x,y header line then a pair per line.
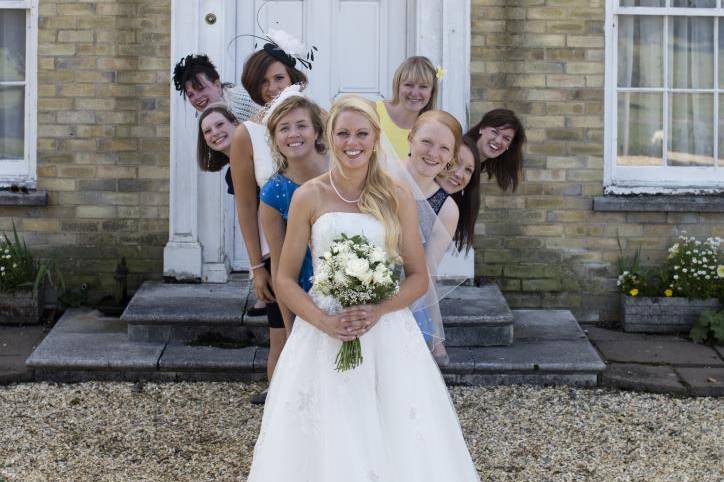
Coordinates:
x,y
550,348
159,312
476,316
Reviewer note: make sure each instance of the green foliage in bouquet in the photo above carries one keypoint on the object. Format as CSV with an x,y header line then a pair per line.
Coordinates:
x,y
709,326
354,272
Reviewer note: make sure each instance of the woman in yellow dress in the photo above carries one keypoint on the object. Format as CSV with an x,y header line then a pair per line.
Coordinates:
x,y
414,89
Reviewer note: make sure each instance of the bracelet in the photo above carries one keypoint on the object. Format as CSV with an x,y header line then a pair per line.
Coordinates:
x,y
257,266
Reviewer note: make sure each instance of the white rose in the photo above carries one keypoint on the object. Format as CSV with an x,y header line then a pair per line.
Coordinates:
x,y
377,255
340,278
381,274
356,267
327,255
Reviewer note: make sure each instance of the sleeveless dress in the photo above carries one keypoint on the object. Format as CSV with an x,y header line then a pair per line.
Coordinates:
x,y
396,135
388,420
422,315
277,193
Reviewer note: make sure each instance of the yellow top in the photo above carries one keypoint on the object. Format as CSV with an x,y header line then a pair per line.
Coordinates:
x,y
396,134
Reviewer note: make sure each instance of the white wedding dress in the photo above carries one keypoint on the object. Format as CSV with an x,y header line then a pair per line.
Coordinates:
x,y
388,420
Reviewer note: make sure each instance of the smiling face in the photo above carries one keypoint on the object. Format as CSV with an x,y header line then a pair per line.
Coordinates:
x,y
217,131
275,80
353,139
458,177
432,148
494,141
294,134
209,92
414,96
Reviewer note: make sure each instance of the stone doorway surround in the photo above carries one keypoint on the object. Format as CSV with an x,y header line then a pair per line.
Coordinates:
x,y
196,249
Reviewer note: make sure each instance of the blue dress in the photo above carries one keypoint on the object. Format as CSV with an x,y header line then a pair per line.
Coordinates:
x,y
277,193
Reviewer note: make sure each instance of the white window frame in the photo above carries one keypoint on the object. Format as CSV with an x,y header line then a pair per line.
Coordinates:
x,y
23,172
644,179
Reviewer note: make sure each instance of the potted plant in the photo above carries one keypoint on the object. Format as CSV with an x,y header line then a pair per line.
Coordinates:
x,y
671,298
22,281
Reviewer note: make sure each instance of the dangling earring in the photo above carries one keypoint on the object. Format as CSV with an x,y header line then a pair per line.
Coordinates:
x,y
409,154
208,160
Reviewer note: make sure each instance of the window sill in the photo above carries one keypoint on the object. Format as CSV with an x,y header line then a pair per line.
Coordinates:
x,y
32,198
660,203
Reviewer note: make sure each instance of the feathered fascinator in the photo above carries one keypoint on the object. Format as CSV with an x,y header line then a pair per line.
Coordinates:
x,y
283,46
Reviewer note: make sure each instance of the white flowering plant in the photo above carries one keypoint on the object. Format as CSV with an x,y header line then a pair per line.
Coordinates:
x,y
694,268
354,272
18,267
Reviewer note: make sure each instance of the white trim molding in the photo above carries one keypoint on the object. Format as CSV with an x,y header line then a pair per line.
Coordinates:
x,y
641,179
23,172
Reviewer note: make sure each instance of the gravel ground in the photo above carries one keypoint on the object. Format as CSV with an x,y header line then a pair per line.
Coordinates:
x,y
206,431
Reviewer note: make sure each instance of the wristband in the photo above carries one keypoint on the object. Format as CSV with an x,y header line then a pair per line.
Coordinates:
x,y
257,266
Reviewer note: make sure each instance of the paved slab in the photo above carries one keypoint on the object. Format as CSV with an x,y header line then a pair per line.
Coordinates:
x,y
596,334
703,381
20,340
202,358
643,378
659,350
207,303
542,325
103,346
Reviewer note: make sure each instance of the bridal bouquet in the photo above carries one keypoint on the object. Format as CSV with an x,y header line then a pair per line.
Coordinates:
x,y
354,272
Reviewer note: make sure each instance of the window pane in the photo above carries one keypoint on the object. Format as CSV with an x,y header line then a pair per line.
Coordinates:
x,y
643,3
12,122
640,129
12,45
640,52
691,136
691,48
693,3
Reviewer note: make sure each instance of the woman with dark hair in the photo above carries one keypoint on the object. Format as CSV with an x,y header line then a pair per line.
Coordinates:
x,y
252,165
198,81
462,183
499,137
216,126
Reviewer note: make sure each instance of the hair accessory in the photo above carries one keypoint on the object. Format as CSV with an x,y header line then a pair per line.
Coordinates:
x,y
440,72
179,69
294,90
282,45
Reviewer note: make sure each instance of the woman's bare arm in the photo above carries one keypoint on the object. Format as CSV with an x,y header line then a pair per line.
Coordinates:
x,y
274,228
242,174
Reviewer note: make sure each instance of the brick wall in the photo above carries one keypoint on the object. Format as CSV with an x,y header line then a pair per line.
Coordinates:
x,y
545,60
103,139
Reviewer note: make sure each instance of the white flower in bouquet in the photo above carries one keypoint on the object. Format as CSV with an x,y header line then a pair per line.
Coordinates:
x,y
354,272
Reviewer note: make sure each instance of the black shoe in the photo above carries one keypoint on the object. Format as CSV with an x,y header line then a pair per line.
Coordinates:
x,y
256,311
258,399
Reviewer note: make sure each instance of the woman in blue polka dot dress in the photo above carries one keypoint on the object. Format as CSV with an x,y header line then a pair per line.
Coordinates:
x,y
295,127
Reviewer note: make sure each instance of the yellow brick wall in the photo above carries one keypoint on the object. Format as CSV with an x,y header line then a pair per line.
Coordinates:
x,y
103,139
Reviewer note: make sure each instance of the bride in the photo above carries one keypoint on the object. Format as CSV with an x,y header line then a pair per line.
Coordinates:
x,y
391,418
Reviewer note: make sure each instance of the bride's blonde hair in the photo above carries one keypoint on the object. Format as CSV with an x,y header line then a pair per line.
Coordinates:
x,y
379,196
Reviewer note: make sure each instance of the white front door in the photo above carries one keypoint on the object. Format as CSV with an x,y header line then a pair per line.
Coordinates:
x,y
360,44
358,54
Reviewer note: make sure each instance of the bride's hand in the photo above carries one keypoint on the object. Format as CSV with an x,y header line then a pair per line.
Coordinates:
x,y
366,315
341,327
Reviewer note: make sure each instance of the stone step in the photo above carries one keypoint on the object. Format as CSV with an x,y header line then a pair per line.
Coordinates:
x,y
159,312
550,348
476,316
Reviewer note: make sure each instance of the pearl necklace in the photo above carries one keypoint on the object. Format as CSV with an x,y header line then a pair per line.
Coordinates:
x,y
339,195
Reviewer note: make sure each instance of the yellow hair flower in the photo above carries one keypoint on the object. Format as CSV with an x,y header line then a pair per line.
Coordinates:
x,y
634,292
720,271
668,292
440,72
